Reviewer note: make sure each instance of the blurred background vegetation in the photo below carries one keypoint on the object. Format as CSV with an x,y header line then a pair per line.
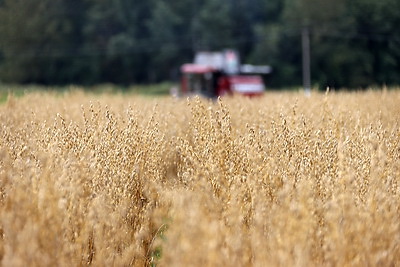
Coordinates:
x,y
354,43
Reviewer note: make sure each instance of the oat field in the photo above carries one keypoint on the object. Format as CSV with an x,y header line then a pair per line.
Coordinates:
x,y
124,180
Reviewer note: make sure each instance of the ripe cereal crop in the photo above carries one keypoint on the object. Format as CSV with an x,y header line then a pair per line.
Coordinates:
x,y
281,180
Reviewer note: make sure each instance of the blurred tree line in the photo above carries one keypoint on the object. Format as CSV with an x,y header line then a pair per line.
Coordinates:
x,y
354,43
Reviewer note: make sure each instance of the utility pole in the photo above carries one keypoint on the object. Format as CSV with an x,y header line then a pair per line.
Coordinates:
x,y
305,43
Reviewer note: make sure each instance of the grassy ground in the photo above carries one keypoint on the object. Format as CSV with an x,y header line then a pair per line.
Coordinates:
x,y
161,89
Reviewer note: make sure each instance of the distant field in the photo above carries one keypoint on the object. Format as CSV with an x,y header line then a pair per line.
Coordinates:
x,y
160,89
126,180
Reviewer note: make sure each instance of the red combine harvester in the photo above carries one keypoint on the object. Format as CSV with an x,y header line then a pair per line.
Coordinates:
x,y
216,74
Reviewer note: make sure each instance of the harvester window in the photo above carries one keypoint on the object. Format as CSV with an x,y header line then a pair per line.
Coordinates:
x,y
201,83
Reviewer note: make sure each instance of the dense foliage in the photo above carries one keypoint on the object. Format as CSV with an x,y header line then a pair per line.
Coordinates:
x,y
353,43
282,180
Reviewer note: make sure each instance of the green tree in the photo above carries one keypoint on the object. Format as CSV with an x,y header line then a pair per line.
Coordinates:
x,y
378,34
36,40
116,38
212,26
243,16
164,40
353,43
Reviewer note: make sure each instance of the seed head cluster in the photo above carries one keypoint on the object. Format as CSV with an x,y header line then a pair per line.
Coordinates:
x,y
281,180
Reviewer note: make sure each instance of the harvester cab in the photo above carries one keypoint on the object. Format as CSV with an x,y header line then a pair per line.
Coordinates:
x,y
216,74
